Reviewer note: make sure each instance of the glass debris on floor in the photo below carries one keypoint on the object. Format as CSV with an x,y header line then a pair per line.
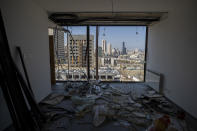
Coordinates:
x,y
132,107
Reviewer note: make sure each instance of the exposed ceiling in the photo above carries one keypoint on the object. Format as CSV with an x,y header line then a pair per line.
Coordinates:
x,y
100,12
106,18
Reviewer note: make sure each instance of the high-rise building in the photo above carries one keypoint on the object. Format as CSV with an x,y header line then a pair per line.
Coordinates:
x,y
104,46
58,42
109,49
113,51
77,50
124,49
100,52
118,51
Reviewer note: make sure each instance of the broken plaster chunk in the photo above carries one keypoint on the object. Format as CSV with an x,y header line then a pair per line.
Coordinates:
x,y
137,105
95,89
82,100
100,112
62,123
151,92
130,100
116,106
105,86
82,107
139,121
100,102
154,95
91,96
53,99
123,113
66,105
111,113
131,109
124,123
139,114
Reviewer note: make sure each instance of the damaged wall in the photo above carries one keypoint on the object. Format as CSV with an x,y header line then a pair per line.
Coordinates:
x,y
171,42
172,52
27,26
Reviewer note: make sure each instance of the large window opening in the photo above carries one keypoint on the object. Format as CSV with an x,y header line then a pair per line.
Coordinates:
x,y
120,53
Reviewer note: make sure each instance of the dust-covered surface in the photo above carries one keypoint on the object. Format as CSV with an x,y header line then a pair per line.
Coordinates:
x,y
97,106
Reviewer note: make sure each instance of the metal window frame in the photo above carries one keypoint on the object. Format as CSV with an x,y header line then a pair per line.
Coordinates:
x,y
88,66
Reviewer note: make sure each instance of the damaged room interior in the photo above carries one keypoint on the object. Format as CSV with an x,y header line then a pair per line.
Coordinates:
x,y
98,65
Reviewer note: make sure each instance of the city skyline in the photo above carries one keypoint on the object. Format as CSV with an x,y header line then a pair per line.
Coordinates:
x,y
114,63
133,36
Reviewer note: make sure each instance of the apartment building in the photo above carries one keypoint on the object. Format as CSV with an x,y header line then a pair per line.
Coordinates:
x,y
78,50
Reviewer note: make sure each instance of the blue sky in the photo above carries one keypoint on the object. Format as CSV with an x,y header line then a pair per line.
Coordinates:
x,y
116,35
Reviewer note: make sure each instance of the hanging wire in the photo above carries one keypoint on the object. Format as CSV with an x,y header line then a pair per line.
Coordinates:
x,y
137,31
112,6
104,32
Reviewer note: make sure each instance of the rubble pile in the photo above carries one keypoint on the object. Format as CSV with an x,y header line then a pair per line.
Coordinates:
x,y
133,107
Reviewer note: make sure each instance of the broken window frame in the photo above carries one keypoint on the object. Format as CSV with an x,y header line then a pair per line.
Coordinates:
x,y
96,56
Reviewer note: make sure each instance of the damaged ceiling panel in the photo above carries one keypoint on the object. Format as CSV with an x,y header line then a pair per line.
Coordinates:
x,y
98,18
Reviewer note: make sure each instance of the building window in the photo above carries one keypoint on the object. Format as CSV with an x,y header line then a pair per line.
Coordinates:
x,y
83,77
109,77
70,76
103,77
76,76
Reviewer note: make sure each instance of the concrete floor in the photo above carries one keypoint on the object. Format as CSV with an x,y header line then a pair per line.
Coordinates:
x,y
110,125
85,123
